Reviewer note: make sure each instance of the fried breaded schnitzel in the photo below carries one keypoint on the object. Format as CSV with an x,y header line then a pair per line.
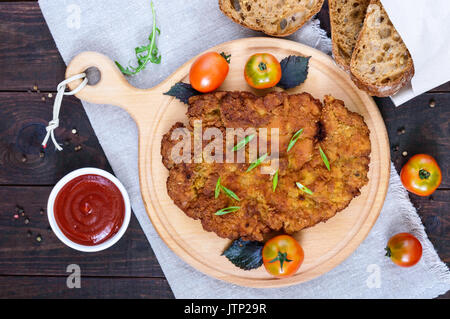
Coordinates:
x,y
342,135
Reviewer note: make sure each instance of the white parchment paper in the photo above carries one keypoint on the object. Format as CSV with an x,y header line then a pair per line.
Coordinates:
x,y
424,27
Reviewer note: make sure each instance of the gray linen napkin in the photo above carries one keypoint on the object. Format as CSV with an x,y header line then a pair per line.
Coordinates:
x,y
115,27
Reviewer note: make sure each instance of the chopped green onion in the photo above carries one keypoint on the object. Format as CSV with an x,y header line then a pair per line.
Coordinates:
x,y
230,193
257,162
227,210
244,142
324,158
294,139
275,181
227,191
304,188
217,191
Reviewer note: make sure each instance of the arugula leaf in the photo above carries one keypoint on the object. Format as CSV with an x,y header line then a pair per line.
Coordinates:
x,y
304,188
275,181
227,210
217,190
324,158
294,139
146,53
257,162
243,142
182,91
230,193
294,70
245,254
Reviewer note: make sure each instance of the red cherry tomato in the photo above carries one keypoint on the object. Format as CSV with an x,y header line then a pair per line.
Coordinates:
x,y
282,256
404,249
209,71
421,175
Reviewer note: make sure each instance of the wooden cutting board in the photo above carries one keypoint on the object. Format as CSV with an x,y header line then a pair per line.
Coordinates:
x,y
326,245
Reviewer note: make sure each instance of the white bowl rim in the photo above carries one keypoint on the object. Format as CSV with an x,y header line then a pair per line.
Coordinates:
x,y
54,225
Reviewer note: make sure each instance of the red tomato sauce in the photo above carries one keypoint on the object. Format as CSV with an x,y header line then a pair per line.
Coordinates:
x,y
89,209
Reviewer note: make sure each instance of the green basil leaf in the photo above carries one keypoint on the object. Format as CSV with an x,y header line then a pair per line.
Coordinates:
x,y
182,91
245,254
294,70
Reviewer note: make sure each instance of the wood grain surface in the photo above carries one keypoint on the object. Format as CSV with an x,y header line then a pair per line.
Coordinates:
x,y
28,58
326,245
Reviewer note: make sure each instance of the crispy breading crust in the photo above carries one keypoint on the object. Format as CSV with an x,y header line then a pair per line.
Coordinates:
x,y
343,136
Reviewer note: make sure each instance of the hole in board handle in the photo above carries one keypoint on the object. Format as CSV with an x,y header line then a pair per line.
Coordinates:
x,y
93,75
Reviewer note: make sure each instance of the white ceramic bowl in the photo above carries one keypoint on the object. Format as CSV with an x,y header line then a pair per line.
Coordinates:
x,y
54,225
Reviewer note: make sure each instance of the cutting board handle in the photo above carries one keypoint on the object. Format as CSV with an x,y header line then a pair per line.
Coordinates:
x,y
112,88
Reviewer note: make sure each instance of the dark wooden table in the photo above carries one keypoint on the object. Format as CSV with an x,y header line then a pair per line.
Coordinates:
x,y
30,69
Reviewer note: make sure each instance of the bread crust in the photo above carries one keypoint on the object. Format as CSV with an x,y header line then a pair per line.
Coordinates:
x,y
387,90
314,11
379,90
338,58
340,62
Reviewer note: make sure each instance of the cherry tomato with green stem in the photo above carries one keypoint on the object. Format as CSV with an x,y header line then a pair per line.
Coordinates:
x,y
209,71
282,256
404,249
262,71
421,175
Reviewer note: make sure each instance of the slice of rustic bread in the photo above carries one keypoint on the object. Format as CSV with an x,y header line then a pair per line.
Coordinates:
x,y
346,17
381,63
273,17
